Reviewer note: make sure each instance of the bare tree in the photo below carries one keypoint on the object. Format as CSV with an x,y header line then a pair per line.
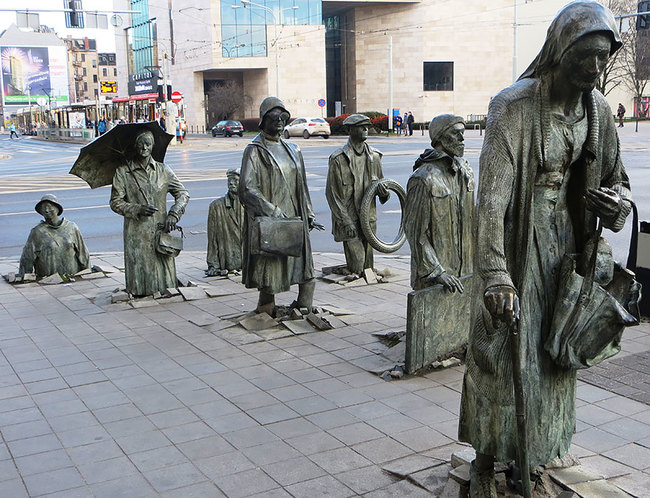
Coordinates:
x,y
613,74
635,61
225,98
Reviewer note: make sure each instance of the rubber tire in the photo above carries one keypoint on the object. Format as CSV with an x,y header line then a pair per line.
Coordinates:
x,y
305,135
326,137
286,135
240,135
364,215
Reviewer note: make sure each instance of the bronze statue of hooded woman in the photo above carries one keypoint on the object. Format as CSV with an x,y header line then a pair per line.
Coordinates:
x,y
550,167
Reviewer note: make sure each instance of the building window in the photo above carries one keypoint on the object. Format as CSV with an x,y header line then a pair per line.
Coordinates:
x,y
74,19
94,78
94,20
94,63
27,20
114,71
243,30
104,73
85,86
83,57
438,76
83,71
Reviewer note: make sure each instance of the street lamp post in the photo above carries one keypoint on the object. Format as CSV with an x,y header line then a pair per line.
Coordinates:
x,y
275,36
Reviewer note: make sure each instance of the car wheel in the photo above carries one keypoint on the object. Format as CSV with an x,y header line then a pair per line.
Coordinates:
x,y
241,135
286,135
305,134
214,134
326,137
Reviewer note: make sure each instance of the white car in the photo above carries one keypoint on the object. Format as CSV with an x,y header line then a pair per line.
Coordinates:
x,y
307,127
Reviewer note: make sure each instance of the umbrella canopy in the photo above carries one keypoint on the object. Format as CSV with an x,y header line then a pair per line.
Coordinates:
x,y
99,159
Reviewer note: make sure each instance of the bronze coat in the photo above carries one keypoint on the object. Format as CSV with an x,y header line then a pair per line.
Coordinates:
x,y
225,222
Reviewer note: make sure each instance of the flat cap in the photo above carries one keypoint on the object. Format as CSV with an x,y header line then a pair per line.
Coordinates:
x,y
442,123
356,120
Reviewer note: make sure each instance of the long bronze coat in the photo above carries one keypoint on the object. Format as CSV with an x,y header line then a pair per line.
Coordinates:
x,y
225,223
147,271
262,189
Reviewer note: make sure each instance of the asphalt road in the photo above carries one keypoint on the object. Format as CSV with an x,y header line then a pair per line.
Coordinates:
x,y
34,168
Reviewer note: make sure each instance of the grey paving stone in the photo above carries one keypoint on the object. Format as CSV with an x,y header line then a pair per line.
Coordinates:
x,y
246,483
107,470
25,430
251,436
370,410
314,443
321,486
173,477
189,432
627,428
95,452
598,488
606,467
400,488
33,445
142,442
202,490
172,418
43,462
597,440
339,460
224,464
332,418
595,415
231,422
8,470
632,454
253,400
265,454
129,486
13,488
394,424
53,481
72,421
382,450
291,392
83,436
636,484
293,471
129,426
422,438
116,413
167,456
205,447
272,413
355,433
214,409
366,479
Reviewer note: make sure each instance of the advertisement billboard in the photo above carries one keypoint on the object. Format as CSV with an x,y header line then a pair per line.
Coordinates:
x,y
32,72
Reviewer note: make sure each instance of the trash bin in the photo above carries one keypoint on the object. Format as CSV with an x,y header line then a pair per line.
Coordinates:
x,y
643,267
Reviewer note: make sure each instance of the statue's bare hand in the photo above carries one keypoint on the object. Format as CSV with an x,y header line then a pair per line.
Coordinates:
x,y
170,223
605,202
503,303
383,193
146,210
451,282
314,225
350,232
277,213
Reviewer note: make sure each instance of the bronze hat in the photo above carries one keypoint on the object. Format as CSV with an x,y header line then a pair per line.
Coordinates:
x,y
48,198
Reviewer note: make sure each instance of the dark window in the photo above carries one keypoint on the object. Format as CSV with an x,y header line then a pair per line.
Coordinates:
x,y
643,22
85,86
94,78
114,71
83,57
438,76
74,19
83,71
104,73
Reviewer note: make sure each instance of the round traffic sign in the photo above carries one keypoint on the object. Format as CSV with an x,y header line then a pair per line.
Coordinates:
x,y
321,102
177,97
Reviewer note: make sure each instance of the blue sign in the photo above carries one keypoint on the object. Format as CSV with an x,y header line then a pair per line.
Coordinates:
x,y
321,102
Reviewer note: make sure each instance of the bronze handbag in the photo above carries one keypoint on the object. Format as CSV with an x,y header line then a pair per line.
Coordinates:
x,y
277,236
167,243
589,319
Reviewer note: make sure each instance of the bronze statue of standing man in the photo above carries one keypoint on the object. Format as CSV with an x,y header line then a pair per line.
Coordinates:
x,y
439,213
550,168
352,169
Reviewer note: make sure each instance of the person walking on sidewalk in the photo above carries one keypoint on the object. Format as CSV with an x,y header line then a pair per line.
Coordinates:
x,y
620,114
12,132
409,123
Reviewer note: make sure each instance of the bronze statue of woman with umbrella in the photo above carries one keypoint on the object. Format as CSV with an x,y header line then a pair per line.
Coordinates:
x,y
130,158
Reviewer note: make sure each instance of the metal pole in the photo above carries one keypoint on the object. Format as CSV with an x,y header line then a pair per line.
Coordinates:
x,y
390,83
277,58
514,42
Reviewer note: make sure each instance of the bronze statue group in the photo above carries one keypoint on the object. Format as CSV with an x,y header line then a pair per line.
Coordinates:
x,y
551,178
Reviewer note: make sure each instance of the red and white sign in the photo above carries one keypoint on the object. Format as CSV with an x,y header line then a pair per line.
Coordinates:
x,y
177,97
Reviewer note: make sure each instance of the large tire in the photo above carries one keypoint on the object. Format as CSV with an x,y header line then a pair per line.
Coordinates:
x,y
364,214
305,134
286,135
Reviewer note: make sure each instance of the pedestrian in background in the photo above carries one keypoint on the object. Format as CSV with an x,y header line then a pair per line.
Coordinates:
x,y
620,114
410,122
179,132
101,126
398,124
12,131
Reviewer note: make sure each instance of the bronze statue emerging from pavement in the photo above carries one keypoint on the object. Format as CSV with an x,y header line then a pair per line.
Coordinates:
x,y
140,188
550,168
55,245
278,213
439,212
225,222
352,169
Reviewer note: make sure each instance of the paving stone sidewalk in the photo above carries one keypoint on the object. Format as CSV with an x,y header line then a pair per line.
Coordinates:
x,y
169,398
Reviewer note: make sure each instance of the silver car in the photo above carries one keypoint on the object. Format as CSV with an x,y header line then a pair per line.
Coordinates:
x,y
307,127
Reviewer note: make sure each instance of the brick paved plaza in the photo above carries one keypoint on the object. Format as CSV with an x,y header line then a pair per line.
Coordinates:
x,y
171,398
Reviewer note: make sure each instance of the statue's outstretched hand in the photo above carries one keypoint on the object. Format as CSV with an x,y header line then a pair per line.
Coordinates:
x,y
170,223
451,282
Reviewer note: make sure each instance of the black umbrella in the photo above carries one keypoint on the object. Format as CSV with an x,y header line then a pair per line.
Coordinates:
x,y
99,159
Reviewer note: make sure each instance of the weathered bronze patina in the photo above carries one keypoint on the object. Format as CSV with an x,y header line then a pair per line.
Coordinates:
x,y
273,184
55,245
225,222
352,169
549,169
140,188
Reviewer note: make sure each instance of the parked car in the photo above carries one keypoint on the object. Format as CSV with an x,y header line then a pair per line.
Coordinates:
x,y
228,129
307,127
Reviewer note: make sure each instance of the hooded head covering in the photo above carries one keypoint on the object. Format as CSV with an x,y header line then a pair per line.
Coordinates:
x,y
270,103
48,198
574,21
442,123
